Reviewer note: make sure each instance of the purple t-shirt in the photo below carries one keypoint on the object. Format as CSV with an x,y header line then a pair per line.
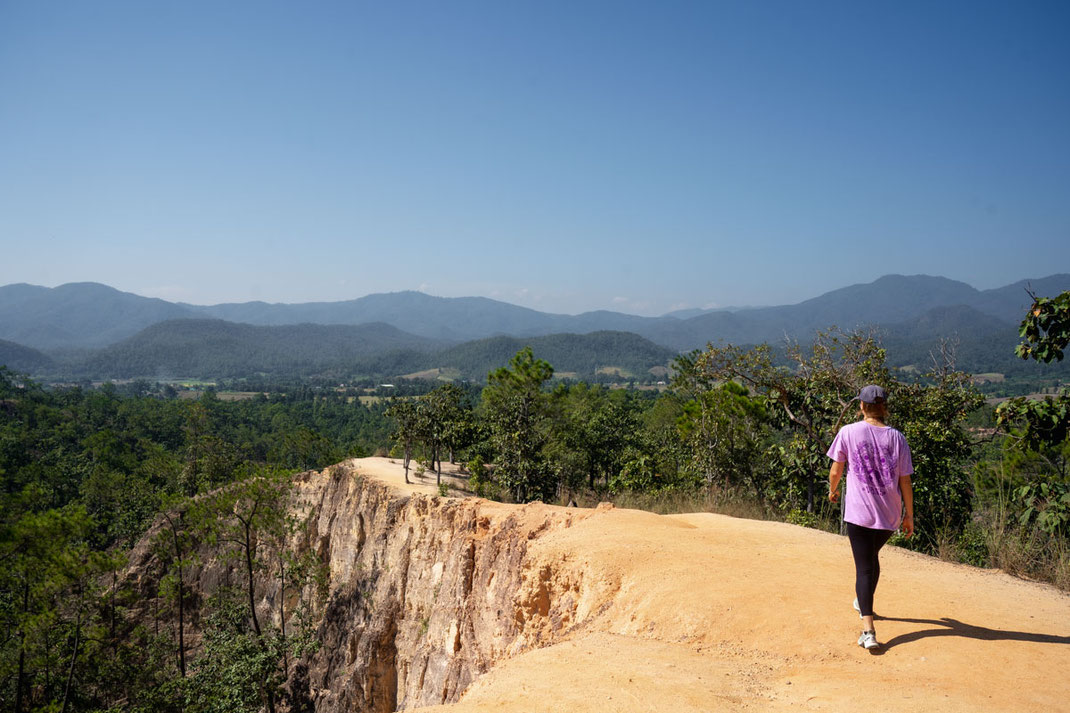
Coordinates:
x,y
876,458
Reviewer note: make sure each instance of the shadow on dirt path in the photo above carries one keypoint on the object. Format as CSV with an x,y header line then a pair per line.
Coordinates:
x,y
952,627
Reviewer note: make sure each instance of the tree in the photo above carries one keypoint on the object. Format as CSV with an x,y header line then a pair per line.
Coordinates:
x,y
813,399
516,409
406,429
594,432
726,431
174,545
48,581
237,668
242,516
1041,428
454,412
931,416
1041,425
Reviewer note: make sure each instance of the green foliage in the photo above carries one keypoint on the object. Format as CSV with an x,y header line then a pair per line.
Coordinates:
x,y
478,480
407,429
592,432
238,670
517,411
726,432
1046,505
1046,329
806,519
810,401
1040,429
932,417
1036,424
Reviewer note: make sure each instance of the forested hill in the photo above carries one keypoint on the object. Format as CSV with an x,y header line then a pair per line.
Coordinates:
x,y
90,315
215,348
24,359
78,315
610,353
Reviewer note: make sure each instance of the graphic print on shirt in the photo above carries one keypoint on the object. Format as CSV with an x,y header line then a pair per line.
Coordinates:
x,y
877,467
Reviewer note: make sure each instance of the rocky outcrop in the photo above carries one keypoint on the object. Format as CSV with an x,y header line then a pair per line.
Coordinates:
x,y
493,608
422,593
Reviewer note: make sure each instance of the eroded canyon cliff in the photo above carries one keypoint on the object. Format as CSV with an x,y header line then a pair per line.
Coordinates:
x,y
460,604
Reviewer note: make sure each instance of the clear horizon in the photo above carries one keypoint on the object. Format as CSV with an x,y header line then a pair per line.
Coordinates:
x,y
566,158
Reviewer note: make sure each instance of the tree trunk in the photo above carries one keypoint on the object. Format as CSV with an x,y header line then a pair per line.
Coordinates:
x,y
438,471
114,586
22,648
74,658
282,616
249,577
181,605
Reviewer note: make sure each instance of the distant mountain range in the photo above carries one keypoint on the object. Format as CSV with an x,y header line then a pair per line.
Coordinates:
x,y
80,315
94,329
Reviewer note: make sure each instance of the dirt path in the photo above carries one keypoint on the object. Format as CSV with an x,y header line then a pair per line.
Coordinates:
x,y
391,471
710,613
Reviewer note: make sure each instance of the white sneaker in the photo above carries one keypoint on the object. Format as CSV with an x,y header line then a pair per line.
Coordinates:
x,y
868,640
857,609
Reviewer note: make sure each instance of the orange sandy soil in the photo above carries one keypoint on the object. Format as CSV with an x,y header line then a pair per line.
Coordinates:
x,y
705,612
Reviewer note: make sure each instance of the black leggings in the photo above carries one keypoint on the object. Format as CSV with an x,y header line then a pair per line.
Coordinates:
x,y
865,544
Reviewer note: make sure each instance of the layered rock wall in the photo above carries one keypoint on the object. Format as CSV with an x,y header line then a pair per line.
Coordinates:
x,y
423,593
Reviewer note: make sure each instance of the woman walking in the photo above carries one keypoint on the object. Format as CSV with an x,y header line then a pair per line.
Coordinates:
x,y
878,486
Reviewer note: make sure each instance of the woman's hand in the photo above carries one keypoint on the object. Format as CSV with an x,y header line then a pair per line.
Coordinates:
x,y
835,475
908,526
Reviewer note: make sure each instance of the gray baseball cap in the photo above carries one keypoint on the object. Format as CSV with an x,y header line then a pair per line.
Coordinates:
x,y
872,394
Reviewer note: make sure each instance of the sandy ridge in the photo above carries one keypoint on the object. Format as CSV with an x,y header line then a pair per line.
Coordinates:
x,y
704,612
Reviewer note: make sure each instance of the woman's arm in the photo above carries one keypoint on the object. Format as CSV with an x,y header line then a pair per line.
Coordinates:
x,y
907,489
835,475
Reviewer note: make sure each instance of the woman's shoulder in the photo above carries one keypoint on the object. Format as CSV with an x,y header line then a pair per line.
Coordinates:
x,y
897,434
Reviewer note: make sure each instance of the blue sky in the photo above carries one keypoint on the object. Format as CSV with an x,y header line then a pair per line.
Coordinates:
x,y
567,156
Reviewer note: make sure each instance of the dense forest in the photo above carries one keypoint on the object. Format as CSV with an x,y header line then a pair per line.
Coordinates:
x,y
85,472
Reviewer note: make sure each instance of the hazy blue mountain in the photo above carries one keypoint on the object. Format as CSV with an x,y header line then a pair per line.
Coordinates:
x,y
87,314
455,318
888,300
982,343
698,311
79,314
1011,302
23,359
892,298
215,348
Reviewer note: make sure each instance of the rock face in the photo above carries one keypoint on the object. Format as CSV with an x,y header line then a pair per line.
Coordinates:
x,y
423,593
451,605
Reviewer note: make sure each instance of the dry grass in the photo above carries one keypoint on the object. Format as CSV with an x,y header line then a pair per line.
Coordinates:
x,y
671,502
443,374
1030,554
614,371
